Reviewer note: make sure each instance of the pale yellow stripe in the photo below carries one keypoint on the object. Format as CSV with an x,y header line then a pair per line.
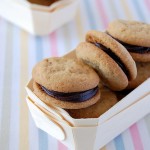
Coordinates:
x,y
79,26
127,9
104,148
24,137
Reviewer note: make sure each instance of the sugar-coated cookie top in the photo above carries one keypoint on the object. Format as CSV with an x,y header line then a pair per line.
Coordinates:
x,y
130,32
65,75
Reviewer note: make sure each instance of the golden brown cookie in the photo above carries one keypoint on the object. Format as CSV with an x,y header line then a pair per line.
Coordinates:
x,y
109,58
66,83
134,36
143,73
108,99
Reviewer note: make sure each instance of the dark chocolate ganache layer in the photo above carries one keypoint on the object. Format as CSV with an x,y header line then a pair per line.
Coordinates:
x,y
113,56
72,97
134,48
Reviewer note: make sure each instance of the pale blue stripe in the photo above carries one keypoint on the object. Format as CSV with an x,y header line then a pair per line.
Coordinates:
x,y
138,10
90,14
73,37
39,48
62,44
32,52
69,32
127,139
147,121
3,40
46,47
119,143
145,10
15,100
143,131
114,10
33,130
43,138
110,14
119,13
6,93
111,146
66,37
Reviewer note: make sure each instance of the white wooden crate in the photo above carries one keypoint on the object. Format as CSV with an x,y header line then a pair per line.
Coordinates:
x,y
88,134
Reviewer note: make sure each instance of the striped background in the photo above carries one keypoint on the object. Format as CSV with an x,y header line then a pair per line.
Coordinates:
x,y
19,51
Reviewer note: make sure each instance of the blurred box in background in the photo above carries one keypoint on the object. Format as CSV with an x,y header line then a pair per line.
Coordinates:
x,y
38,19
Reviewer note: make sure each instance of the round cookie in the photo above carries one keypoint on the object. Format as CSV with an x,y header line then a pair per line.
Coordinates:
x,y
108,99
143,73
109,58
66,83
134,36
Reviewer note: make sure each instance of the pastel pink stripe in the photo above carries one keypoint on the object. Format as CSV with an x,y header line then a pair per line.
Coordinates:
x,y
102,12
53,41
136,138
61,146
147,2
54,52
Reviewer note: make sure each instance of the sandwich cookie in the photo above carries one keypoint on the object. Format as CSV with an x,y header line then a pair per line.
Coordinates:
x,y
107,100
143,73
109,58
134,36
66,83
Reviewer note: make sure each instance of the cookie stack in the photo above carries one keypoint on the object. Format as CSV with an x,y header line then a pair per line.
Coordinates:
x,y
135,37
85,86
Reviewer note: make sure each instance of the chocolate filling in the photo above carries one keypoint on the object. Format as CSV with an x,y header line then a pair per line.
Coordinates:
x,y
113,56
72,97
133,48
